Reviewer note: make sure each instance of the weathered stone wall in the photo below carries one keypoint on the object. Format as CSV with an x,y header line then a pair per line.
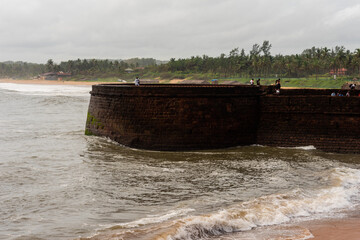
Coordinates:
x,y
183,117
174,117
328,123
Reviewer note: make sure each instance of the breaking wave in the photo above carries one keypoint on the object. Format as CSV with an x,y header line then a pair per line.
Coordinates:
x,y
46,90
277,209
340,194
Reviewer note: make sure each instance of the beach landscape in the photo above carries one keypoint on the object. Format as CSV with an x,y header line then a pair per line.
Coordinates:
x,y
157,161
107,191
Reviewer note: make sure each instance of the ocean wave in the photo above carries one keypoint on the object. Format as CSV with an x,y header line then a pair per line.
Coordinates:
x,y
276,209
155,218
46,90
341,193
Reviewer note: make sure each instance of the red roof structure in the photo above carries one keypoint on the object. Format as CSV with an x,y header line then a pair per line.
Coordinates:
x,y
340,71
54,75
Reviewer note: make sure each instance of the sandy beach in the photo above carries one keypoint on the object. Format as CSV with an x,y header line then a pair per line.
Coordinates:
x,y
57,82
339,229
49,82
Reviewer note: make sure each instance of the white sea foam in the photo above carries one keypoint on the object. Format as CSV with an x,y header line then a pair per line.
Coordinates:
x,y
46,90
306,147
156,218
310,147
277,208
257,145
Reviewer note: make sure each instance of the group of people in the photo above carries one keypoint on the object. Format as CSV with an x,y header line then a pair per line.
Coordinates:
x,y
339,94
277,84
252,82
352,87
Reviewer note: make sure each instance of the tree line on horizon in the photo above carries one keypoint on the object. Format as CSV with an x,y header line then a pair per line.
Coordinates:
x,y
259,62
92,67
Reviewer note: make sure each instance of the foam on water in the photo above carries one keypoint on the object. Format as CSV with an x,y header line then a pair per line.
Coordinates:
x,y
310,147
46,90
340,194
155,218
306,147
277,208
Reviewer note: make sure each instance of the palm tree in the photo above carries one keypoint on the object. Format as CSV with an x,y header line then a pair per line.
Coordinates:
x,y
356,59
339,58
50,65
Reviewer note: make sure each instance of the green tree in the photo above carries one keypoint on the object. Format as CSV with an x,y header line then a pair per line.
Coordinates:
x,y
50,65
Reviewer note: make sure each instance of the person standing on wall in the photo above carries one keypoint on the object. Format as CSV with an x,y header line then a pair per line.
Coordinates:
x,y
277,86
137,81
252,82
258,82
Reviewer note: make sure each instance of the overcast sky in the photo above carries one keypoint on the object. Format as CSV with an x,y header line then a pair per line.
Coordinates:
x,y
38,30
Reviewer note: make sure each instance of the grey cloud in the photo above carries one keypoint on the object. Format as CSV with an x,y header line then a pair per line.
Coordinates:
x,y
37,30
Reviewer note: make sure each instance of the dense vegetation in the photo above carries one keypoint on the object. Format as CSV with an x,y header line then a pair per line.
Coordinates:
x,y
78,68
315,63
20,69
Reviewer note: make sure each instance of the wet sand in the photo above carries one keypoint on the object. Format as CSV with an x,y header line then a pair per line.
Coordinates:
x,y
50,82
327,229
340,229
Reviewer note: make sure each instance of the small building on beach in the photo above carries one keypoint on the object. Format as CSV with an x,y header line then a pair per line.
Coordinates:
x,y
54,75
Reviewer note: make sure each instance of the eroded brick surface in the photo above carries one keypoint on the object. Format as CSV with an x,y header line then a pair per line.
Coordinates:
x,y
183,117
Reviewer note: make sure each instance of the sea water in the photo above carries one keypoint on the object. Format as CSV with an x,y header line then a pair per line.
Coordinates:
x,y
57,183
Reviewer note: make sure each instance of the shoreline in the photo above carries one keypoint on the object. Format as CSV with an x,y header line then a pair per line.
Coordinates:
x,y
84,83
50,82
347,228
334,229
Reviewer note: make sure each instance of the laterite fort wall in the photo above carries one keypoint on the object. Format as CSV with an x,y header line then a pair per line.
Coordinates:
x,y
174,117
185,117
310,117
